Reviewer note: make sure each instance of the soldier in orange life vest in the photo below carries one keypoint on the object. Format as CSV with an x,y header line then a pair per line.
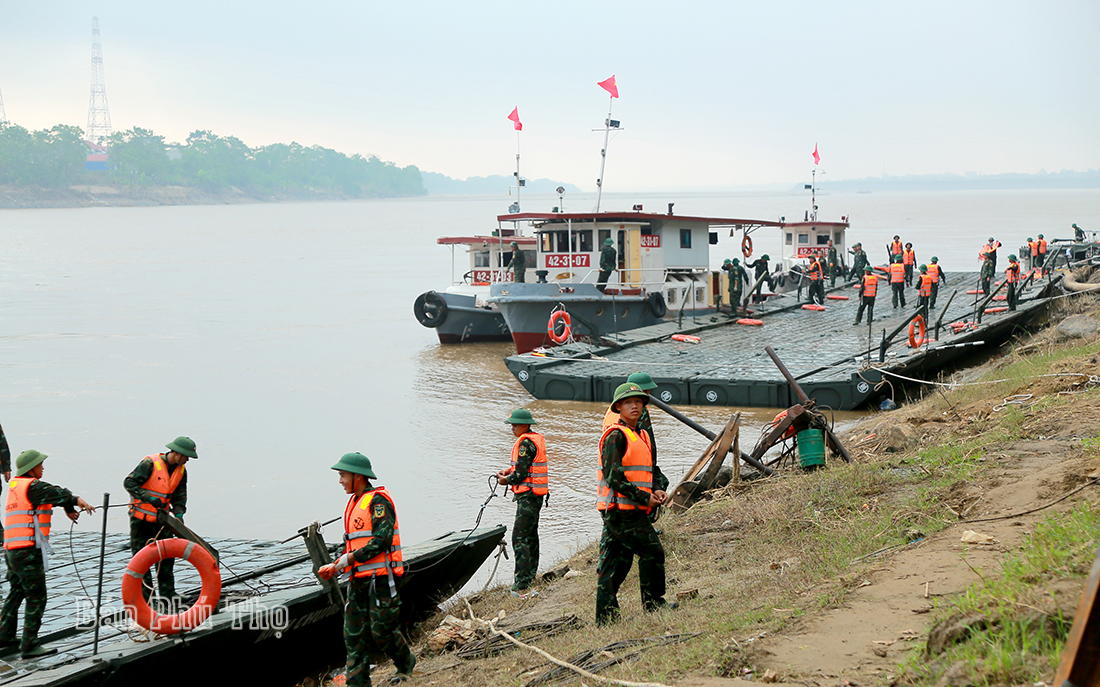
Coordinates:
x,y
626,494
1043,253
924,289
158,483
1012,276
530,482
938,276
897,281
27,516
868,287
894,248
817,281
372,555
909,259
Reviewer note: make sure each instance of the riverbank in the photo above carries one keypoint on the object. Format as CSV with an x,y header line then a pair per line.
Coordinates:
x,y
28,197
860,574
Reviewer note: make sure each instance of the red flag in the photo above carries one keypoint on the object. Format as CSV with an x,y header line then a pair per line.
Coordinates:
x,y
610,86
515,119
817,158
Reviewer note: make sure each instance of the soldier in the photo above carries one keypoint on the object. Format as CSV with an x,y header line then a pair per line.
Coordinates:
x,y
1078,234
817,282
859,261
761,270
924,289
909,259
628,491
1043,254
897,281
986,275
30,506
518,263
832,265
1012,276
936,272
894,248
529,480
608,263
868,287
158,483
738,278
5,456
990,251
372,549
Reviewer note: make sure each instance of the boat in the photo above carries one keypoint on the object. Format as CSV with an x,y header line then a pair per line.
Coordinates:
x,y
663,272
460,313
276,620
842,366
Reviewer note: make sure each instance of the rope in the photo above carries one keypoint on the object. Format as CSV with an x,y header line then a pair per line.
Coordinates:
x,y
492,493
1091,482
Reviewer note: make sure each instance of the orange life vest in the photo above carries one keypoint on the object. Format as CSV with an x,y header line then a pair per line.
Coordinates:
x,y
934,271
926,282
637,465
895,249
160,484
779,418
870,286
538,477
815,271
610,418
1012,272
909,257
20,513
897,273
357,525
1042,246
1034,247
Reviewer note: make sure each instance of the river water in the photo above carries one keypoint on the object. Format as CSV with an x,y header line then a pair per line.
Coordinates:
x,y
280,336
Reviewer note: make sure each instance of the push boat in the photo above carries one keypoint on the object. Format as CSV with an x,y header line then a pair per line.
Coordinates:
x,y
275,618
460,313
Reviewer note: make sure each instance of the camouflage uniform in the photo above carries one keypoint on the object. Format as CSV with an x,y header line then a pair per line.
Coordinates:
x,y
373,609
27,575
608,263
627,533
518,263
737,278
142,531
525,529
986,275
833,266
5,454
859,261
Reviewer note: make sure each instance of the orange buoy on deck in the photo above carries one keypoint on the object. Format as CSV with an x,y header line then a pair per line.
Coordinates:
x,y
1000,297
836,297
750,321
686,338
813,306
990,311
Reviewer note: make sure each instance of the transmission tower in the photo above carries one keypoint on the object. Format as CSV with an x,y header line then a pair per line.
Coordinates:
x,y
3,115
99,118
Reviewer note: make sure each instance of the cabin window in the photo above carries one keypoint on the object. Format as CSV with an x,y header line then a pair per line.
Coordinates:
x,y
563,241
671,296
481,259
790,238
547,242
700,294
685,238
604,235
822,239
582,241
803,238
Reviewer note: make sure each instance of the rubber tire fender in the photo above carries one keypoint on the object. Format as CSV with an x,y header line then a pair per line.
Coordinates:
x,y
430,309
656,304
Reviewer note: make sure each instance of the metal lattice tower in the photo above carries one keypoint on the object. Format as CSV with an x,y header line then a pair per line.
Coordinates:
x,y
3,115
99,118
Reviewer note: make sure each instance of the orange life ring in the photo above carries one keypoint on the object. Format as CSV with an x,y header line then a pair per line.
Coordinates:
x,y
813,306
746,246
154,553
836,297
554,317
750,321
1000,297
686,338
914,341
974,291
990,311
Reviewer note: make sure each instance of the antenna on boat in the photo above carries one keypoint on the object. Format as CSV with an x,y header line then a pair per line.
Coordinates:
x,y
613,88
520,181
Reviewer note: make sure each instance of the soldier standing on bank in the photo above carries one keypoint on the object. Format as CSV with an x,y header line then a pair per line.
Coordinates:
x,y
30,504
859,261
868,287
529,479
518,263
158,483
372,554
608,263
986,274
627,492
938,276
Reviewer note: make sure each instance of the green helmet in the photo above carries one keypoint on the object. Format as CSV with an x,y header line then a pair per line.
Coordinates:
x,y
183,446
924,268
935,259
643,380
736,261
628,390
515,245
608,242
357,463
727,261
27,460
1029,239
1041,236
897,258
1012,258
765,257
521,416
868,269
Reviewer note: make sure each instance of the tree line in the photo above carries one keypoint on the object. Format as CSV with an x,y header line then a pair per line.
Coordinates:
x,y
55,157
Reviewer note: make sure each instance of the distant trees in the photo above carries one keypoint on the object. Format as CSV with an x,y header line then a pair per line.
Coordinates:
x,y
138,157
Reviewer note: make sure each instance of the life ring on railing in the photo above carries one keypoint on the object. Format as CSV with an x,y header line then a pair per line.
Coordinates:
x,y
746,246
566,330
656,304
183,621
813,306
914,341
836,297
750,321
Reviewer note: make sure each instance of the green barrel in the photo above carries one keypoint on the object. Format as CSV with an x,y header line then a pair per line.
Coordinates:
x,y
811,448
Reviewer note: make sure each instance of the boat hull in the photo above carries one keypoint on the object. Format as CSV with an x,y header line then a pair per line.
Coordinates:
x,y
466,321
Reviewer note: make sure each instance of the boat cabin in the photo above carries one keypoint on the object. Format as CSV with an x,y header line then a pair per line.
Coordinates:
x,y
488,257
800,240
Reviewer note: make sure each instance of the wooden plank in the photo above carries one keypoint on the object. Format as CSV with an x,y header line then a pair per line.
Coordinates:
x,y
1080,664
684,494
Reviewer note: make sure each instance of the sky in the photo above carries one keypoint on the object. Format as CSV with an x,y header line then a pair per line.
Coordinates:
x,y
712,94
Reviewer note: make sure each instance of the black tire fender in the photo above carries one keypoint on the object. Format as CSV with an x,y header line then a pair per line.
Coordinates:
x,y
656,304
430,309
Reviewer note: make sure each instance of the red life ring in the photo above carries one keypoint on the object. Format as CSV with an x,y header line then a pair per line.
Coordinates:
x,y
990,311
836,297
914,341
154,553
746,246
686,338
813,306
749,321
554,317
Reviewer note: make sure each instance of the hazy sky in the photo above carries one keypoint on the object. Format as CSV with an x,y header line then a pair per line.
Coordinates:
x,y
712,93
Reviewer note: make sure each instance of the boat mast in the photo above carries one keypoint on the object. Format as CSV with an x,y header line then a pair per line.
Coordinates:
x,y
608,125
813,197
